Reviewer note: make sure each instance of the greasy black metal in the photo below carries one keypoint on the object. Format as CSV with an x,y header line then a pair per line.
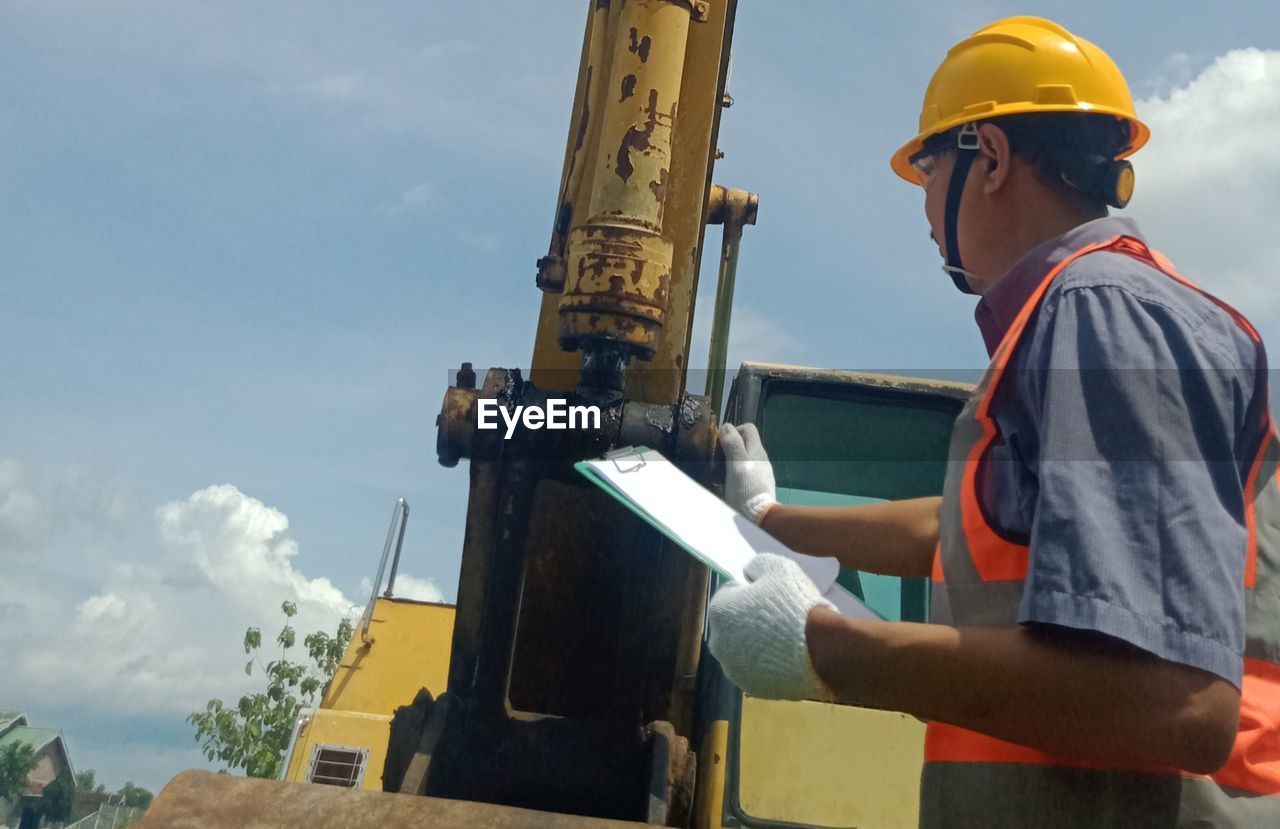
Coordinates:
x,y
673,771
408,723
604,372
548,764
455,425
477,546
502,599
550,275
417,758
660,750
574,619
565,558
466,378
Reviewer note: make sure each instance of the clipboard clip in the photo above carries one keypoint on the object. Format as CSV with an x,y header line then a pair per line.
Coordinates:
x,y
627,459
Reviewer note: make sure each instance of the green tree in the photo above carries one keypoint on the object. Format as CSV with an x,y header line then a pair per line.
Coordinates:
x,y
58,797
254,734
136,797
87,781
16,762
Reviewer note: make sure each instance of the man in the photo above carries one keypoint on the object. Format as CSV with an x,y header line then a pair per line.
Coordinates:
x,y
1105,632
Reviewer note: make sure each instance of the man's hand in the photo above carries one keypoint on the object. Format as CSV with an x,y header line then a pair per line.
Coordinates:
x,y
748,482
757,630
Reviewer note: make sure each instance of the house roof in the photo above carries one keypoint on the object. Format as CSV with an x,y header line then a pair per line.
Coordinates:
x,y
37,738
8,719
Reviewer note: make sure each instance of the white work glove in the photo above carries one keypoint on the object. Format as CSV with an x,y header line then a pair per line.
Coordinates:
x,y
748,476
756,630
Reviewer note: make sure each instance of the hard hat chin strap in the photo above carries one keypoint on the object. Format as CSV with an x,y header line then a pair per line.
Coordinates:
x,y
966,152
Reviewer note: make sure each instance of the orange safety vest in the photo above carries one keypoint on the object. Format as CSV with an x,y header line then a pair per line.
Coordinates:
x,y
971,779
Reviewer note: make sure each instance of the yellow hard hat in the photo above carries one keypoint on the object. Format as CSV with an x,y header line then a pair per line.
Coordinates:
x,y
1021,65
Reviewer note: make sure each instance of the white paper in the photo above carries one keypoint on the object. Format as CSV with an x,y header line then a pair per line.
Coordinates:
x,y
713,531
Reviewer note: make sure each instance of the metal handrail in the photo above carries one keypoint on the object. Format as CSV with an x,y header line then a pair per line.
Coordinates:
x,y
399,518
395,560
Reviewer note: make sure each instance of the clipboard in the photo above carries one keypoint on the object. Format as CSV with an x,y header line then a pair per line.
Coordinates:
x,y
707,528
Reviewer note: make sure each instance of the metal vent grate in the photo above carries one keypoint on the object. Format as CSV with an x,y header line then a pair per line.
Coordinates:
x,y
338,766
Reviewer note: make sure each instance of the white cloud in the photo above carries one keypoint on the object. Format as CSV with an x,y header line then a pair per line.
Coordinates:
x,y
1176,70
35,509
423,590
1209,180
340,87
420,198
407,587
108,606
242,547
158,633
26,516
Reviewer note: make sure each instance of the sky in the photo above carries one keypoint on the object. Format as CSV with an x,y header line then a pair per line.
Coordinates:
x,y
242,244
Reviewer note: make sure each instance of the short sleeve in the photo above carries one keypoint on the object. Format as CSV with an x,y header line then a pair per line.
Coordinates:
x,y
1138,528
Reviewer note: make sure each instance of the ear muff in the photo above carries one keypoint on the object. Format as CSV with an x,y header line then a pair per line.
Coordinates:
x,y
1120,181
1108,179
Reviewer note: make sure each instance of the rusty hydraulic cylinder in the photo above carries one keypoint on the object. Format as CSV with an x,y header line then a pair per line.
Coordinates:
x,y
618,265
584,133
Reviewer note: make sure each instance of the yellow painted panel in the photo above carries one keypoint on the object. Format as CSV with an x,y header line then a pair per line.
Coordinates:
x,y
347,729
712,758
409,650
829,765
297,766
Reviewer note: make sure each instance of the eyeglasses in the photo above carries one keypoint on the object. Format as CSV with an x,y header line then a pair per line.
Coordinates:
x,y
925,163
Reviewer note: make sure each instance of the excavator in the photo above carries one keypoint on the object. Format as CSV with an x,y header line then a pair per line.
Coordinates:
x,y
570,685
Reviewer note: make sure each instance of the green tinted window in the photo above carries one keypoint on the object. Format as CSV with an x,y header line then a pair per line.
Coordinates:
x,y
857,441
833,445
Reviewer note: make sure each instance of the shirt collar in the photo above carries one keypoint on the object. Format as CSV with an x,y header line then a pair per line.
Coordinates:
x,y
1001,303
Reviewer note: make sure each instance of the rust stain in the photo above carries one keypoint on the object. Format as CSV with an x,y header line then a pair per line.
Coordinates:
x,y
637,272
640,46
585,121
637,139
659,187
598,265
563,221
566,206
628,87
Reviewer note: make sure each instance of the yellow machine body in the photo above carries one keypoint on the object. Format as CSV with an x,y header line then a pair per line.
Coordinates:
x,y
407,649
829,765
